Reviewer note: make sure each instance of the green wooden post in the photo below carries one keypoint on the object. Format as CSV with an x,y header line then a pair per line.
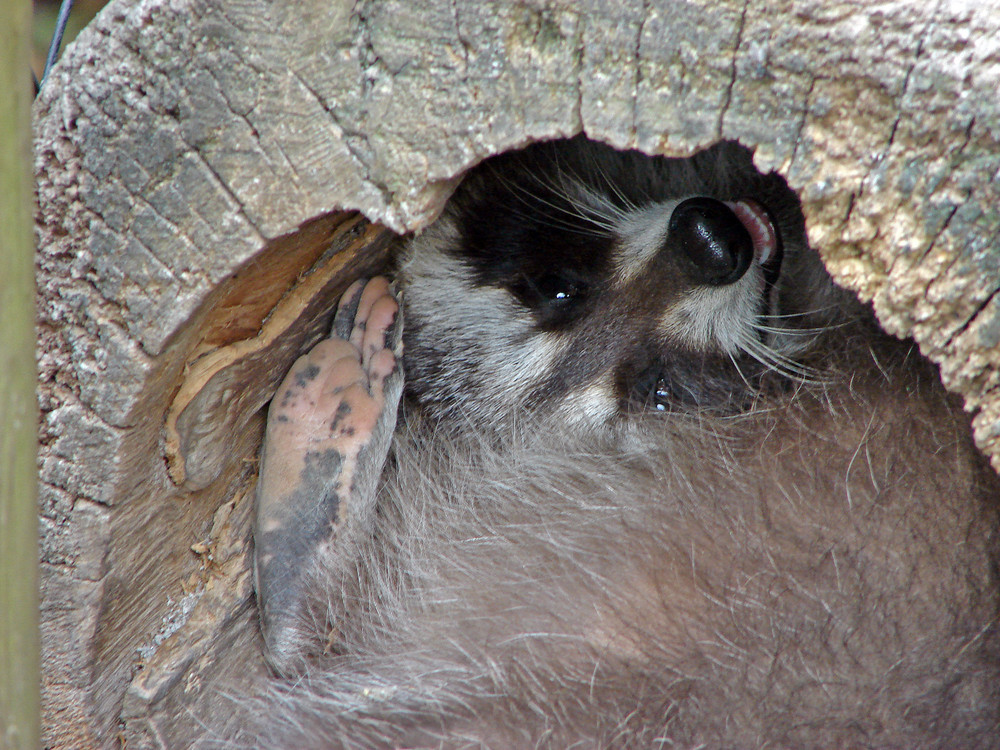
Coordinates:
x,y
19,661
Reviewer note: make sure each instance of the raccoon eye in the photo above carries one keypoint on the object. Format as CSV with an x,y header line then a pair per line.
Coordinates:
x,y
649,388
553,298
663,394
558,290
681,385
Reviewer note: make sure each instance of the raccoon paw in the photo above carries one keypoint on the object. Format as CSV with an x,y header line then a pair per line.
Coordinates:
x,y
328,432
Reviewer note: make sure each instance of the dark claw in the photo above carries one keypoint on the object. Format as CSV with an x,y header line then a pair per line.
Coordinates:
x,y
343,322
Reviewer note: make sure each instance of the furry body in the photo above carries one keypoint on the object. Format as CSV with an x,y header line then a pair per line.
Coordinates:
x,y
595,528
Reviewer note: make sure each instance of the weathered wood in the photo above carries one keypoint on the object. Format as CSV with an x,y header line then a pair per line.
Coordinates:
x,y
200,163
19,725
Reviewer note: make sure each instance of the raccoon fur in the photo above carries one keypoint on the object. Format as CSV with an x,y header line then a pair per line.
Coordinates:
x,y
654,481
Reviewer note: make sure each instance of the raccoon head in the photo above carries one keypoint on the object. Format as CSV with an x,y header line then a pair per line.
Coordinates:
x,y
574,278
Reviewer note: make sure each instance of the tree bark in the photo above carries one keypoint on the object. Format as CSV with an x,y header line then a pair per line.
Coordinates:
x,y
212,173
19,725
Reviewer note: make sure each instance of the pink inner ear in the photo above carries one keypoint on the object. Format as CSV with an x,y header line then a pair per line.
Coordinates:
x,y
758,224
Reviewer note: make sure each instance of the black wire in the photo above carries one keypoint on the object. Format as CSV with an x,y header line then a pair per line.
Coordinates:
x,y
64,10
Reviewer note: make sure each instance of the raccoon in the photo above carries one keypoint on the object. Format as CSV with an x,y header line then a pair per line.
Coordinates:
x,y
634,473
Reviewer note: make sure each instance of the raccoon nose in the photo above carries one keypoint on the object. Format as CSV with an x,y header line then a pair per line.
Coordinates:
x,y
712,239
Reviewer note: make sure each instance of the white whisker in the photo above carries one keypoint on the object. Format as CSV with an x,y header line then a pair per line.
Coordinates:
x,y
738,370
779,363
574,210
778,330
799,315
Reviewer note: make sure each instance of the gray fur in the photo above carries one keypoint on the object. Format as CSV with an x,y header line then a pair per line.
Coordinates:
x,y
817,569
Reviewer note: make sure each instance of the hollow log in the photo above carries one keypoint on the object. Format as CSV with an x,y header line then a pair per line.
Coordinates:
x,y
211,174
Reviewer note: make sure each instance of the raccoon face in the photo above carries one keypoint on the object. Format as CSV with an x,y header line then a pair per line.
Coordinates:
x,y
571,277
